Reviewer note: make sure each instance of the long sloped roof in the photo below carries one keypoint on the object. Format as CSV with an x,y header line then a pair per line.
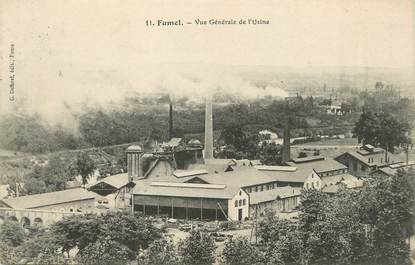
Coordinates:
x,y
117,181
303,170
50,198
242,177
273,194
192,191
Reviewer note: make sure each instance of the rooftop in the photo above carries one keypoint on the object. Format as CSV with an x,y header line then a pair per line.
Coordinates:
x,y
190,190
273,194
117,181
50,198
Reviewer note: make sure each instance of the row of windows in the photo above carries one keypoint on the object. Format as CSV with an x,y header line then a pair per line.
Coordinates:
x,y
240,202
333,173
261,187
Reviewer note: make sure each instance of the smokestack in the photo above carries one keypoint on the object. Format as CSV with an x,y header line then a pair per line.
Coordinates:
x,y
208,152
286,146
170,119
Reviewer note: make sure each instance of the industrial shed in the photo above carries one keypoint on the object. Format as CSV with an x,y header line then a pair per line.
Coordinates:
x,y
190,200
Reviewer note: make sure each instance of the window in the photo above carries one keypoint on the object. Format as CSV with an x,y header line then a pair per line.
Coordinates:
x,y
236,203
244,202
249,190
240,193
312,185
240,202
262,188
256,188
307,185
317,184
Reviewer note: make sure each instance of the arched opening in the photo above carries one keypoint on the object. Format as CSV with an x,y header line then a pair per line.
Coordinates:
x,y
38,222
25,222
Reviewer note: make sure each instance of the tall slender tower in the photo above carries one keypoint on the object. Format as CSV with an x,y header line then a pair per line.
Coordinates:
x,y
170,119
286,146
208,152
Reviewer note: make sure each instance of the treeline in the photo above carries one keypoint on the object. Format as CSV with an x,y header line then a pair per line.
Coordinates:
x,y
133,122
97,127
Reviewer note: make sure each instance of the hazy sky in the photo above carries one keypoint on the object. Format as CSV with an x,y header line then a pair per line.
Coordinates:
x,y
68,49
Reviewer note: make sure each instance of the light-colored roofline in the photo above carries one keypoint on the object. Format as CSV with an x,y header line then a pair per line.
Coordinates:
x,y
188,185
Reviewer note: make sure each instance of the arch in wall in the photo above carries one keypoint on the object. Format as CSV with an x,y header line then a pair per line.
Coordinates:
x,y
38,222
25,222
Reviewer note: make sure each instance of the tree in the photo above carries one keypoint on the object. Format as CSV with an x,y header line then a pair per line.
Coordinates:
x,y
198,249
84,231
11,233
41,249
161,252
270,154
240,251
85,166
381,129
234,136
105,252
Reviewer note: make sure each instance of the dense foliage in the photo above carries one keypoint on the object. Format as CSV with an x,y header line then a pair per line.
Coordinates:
x,y
365,227
197,249
381,129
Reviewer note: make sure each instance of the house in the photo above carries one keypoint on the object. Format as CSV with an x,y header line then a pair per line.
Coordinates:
x,y
71,200
282,199
366,159
392,170
298,170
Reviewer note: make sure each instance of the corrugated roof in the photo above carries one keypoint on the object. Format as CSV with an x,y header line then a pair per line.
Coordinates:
x,y
273,194
116,181
50,198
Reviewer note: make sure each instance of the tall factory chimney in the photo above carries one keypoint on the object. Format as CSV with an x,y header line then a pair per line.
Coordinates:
x,y
208,152
170,119
286,146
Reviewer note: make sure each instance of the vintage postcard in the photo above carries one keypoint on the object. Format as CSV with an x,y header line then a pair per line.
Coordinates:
x,y
207,132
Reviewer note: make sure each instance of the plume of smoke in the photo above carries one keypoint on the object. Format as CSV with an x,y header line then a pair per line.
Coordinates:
x,y
59,96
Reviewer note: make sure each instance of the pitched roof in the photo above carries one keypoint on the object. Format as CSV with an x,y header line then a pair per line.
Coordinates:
x,y
319,166
378,158
117,181
273,194
174,142
50,198
303,170
243,177
171,189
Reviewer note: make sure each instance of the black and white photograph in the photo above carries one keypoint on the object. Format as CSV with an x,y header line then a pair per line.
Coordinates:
x,y
269,132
